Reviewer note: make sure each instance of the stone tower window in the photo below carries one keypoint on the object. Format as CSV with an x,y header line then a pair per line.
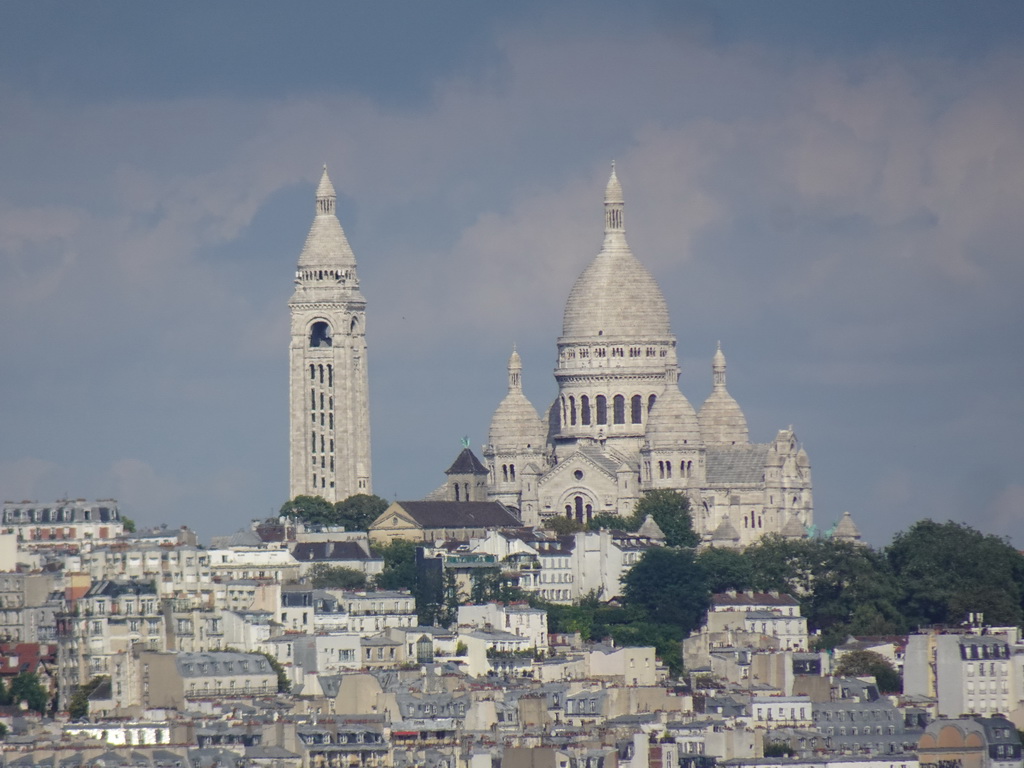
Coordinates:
x,y
585,410
320,335
602,409
572,410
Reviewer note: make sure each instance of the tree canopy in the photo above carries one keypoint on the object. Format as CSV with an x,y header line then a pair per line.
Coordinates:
x,y
869,663
355,513
324,576
671,511
946,570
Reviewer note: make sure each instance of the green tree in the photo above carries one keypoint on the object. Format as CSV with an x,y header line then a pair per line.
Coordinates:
x,y
28,688
324,576
128,524
947,570
495,585
78,707
844,588
563,525
725,569
399,565
614,522
358,511
869,663
314,510
671,511
666,586
284,685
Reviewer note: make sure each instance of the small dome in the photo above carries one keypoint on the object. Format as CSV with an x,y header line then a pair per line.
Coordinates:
x,y
793,529
615,296
672,422
515,424
846,529
326,245
721,419
725,531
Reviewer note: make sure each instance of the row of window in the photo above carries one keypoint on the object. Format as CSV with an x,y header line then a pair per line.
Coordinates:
x,y
319,370
665,469
597,410
602,352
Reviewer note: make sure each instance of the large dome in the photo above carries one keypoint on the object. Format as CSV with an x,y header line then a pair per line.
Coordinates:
x,y
615,296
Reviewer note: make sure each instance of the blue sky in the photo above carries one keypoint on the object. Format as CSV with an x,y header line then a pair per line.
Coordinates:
x,y
833,190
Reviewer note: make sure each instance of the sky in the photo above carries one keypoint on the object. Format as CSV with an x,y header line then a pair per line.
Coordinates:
x,y
834,191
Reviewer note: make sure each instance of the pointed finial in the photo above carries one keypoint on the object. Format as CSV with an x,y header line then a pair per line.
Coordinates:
x,y
614,205
465,442
325,195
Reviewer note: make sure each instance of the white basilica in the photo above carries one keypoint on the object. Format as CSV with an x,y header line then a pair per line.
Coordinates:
x,y
620,424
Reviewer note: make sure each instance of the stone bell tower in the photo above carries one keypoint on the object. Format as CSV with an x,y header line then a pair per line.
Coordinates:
x,y
329,390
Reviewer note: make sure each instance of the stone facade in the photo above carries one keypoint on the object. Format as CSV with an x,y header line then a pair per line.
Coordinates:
x,y
620,424
329,390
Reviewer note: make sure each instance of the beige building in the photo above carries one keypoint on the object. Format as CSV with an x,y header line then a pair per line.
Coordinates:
x,y
330,412
173,680
436,520
620,425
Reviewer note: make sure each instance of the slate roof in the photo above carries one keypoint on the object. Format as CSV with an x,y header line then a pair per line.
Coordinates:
x,y
466,463
736,464
460,514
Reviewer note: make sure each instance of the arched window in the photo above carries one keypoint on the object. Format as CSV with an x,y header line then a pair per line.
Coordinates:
x,y
636,407
585,410
320,335
321,374
312,373
668,469
504,472
330,376
578,502
619,409
511,471
572,410
651,401
602,409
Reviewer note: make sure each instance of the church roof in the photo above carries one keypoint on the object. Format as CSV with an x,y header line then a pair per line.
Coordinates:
x,y
735,464
326,244
616,297
460,514
605,458
466,463
721,418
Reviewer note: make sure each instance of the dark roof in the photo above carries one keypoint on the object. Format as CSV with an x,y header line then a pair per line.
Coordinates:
x,y
329,550
460,514
466,463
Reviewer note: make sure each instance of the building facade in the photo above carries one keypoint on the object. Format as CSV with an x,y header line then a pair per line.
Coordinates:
x,y
620,424
329,390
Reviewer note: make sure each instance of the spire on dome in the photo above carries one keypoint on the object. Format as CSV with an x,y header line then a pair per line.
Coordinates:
x,y
718,368
614,205
515,372
325,195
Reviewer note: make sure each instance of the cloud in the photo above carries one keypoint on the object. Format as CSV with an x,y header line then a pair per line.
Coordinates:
x,y
849,225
